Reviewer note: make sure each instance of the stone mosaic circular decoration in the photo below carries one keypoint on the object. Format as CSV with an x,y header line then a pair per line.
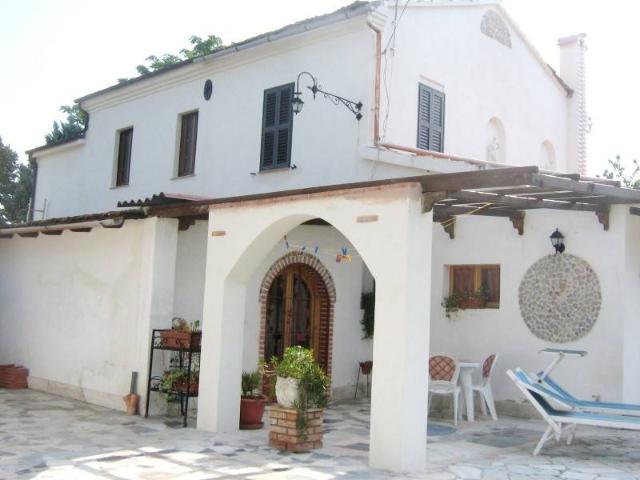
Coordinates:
x,y
560,298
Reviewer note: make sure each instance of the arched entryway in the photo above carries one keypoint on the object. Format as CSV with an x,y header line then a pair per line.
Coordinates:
x,y
297,299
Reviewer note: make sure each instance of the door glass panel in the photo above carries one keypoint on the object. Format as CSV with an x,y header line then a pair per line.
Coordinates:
x,y
275,319
301,313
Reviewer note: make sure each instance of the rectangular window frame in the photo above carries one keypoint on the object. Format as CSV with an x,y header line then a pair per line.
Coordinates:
x,y
180,169
122,168
478,270
276,129
440,93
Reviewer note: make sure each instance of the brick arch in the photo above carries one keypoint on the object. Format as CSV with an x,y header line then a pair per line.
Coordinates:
x,y
323,283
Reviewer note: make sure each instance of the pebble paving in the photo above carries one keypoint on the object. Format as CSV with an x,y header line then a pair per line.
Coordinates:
x,y
48,437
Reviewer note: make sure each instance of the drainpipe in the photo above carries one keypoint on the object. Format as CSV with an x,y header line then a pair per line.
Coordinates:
x,y
376,95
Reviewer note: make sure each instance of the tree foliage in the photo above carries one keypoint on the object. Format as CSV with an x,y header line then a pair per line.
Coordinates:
x,y
76,120
618,171
73,126
199,47
15,186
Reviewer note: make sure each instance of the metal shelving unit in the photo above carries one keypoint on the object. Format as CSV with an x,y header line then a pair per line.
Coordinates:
x,y
187,349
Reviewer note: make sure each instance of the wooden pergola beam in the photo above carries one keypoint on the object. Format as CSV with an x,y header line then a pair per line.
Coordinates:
x,y
520,202
443,212
499,177
615,193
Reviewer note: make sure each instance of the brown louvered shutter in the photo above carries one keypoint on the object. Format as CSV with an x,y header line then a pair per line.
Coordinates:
x,y
277,121
430,119
188,141
125,139
463,279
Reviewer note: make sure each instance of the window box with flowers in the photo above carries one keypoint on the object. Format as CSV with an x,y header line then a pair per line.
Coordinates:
x,y
472,287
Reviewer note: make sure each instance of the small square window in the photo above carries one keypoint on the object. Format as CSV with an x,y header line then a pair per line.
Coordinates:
x,y
478,286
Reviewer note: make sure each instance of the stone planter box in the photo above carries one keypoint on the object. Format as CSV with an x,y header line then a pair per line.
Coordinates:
x,y
283,430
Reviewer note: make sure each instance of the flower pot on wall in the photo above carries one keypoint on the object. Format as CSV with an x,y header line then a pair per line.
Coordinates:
x,y
473,302
251,411
287,391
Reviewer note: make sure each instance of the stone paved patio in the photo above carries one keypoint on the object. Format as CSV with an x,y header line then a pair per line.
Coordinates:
x,y
44,436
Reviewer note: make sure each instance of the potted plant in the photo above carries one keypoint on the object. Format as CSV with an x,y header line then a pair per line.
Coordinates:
x,y
477,299
368,306
301,386
182,334
251,403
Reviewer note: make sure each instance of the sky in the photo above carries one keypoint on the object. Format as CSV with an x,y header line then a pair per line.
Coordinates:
x,y
55,51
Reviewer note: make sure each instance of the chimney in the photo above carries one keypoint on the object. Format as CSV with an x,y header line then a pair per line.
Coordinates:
x,y
572,71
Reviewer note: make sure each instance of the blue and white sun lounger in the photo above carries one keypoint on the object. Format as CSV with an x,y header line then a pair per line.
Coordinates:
x,y
560,421
587,405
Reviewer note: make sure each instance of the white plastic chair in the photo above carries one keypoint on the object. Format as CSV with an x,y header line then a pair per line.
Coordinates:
x,y
443,380
484,387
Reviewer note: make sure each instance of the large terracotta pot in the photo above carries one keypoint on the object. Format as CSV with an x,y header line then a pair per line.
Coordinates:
x,y
287,391
251,411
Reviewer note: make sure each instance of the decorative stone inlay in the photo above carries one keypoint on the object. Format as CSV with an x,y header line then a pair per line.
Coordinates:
x,y
493,26
560,298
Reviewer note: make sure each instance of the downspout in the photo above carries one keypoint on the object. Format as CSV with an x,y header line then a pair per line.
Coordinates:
x,y
33,163
376,94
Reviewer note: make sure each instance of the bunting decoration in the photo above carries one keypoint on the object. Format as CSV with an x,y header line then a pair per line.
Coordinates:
x,y
344,255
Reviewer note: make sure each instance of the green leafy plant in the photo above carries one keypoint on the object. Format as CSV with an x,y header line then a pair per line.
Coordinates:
x,y
452,304
168,382
459,301
250,383
619,171
368,305
298,363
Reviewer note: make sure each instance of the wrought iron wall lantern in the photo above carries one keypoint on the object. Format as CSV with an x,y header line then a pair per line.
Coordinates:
x,y
557,240
297,103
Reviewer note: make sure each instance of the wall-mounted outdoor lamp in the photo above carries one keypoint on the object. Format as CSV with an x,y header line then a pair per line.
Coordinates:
x,y
557,240
297,102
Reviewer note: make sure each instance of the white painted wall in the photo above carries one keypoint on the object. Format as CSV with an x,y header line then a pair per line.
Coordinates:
x,y
348,346
473,334
440,46
71,308
443,47
190,271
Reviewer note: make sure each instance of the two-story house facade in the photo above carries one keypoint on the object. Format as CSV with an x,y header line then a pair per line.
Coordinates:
x,y
445,87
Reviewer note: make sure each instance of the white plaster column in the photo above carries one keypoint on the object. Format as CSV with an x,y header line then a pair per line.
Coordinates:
x,y
398,436
157,282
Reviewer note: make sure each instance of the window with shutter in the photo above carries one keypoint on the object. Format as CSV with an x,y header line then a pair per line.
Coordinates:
x,y
430,119
475,282
188,140
277,123
123,164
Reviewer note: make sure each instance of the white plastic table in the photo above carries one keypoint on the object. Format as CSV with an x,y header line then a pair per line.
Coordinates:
x,y
466,372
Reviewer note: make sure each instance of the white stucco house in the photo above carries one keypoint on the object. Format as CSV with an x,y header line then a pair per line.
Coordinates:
x,y
198,192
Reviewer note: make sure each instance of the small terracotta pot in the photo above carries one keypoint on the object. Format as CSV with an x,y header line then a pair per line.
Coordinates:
x,y
132,401
181,386
365,367
251,411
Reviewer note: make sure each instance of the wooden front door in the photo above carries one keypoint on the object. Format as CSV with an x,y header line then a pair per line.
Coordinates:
x,y
293,312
